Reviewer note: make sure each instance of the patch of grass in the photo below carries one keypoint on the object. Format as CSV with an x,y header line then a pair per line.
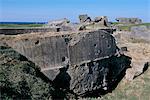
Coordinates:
x,y
145,24
21,79
128,27
125,28
115,23
20,25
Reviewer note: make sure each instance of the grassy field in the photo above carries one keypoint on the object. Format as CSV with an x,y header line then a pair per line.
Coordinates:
x,y
20,25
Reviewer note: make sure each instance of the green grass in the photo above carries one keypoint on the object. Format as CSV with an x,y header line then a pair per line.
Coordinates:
x,y
21,79
115,23
20,25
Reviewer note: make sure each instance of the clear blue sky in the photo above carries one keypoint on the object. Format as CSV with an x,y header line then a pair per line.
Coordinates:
x,y
44,10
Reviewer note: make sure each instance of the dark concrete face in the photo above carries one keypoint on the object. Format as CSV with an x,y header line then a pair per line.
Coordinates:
x,y
92,46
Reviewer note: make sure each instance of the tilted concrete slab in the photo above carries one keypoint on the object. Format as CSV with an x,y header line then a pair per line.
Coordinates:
x,y
52,52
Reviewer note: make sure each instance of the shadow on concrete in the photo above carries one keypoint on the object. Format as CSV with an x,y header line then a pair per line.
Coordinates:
x,y
61,84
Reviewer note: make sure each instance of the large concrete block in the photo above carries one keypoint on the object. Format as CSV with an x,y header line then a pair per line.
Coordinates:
x,y
79,61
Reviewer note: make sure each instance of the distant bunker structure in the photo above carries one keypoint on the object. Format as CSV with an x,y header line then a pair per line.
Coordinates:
x,y
81,60
129,20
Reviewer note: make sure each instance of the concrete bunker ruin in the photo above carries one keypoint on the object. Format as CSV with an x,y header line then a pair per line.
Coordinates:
x,y
80,61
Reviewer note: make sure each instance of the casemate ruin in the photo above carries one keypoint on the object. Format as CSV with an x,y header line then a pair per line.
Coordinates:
x,y
79,57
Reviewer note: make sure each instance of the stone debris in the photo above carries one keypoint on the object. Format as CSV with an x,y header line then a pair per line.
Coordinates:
x,y
59,22
61,25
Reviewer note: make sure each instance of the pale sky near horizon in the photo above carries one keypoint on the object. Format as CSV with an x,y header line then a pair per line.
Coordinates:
x,y
45,10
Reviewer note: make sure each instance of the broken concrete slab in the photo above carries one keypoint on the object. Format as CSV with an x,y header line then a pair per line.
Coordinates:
x,y
84,18
50,51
